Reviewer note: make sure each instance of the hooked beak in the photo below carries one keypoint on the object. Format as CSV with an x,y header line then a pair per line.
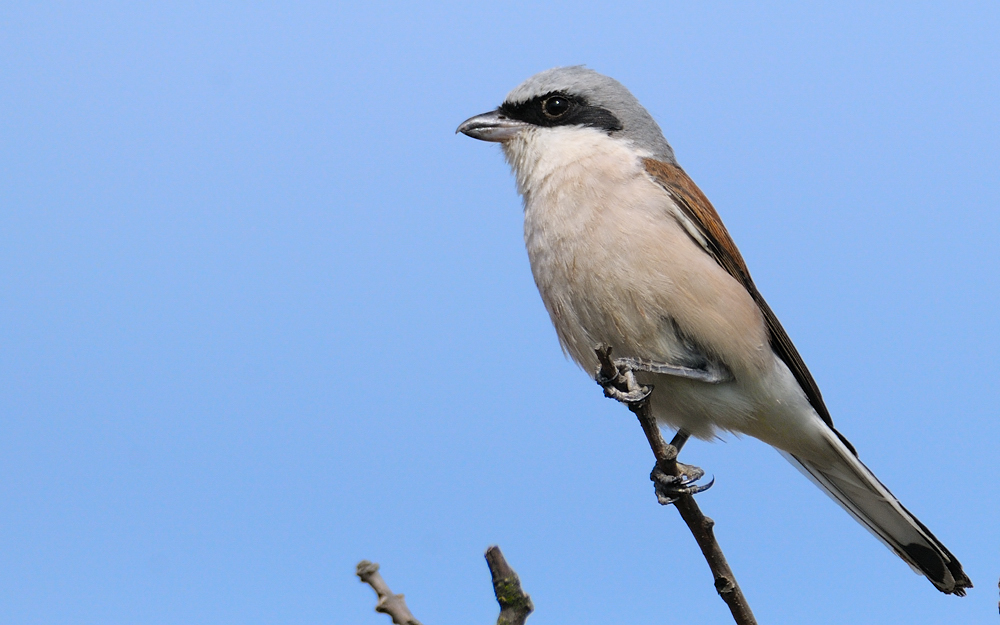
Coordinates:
x,y
492,126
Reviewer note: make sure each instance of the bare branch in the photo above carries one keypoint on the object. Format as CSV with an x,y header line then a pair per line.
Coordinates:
x,y
515,604
699,524
388,603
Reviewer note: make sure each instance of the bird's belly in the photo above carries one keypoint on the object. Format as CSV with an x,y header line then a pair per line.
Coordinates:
x,y
700,408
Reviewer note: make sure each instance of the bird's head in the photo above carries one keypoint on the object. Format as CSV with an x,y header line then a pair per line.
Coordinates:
x,y
568,104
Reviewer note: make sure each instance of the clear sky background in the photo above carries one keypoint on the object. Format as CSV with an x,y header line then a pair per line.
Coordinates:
x,y
263,314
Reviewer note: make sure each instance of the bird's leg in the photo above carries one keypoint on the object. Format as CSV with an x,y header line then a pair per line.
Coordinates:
x,y
679,439
671,479
710,372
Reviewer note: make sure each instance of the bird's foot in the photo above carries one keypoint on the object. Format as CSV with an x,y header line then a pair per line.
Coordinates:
x,y
618,380
624,387
670,488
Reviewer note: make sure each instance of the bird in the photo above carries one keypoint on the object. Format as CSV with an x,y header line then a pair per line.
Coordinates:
x,y
627,252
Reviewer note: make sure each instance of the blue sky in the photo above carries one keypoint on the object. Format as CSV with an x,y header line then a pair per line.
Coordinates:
x,y
264,314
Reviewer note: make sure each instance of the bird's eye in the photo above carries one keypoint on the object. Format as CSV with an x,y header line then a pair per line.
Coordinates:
x,y
555,107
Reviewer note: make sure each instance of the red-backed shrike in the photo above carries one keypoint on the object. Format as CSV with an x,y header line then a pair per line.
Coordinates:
x,y
628,252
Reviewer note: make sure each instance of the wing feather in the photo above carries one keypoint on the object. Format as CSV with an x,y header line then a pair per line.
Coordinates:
x,y
716,241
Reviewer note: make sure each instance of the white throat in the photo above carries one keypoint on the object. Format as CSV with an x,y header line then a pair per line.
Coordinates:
x,y
553,157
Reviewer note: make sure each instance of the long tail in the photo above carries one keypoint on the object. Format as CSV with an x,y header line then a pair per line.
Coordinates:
x,y
851,484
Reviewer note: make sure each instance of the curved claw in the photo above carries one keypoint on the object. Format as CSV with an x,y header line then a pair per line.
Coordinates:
x,y
670,488
702,487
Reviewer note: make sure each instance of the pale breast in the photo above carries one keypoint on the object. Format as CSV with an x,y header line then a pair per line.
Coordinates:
x,y
613,264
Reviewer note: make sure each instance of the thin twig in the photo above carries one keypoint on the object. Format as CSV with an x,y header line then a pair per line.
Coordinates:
x,y
515,604
388,603
699,524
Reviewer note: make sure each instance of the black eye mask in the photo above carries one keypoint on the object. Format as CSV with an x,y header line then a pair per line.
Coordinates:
x,y
560,109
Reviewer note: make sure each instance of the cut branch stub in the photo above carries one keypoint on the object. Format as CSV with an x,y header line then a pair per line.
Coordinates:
x,y
515,604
